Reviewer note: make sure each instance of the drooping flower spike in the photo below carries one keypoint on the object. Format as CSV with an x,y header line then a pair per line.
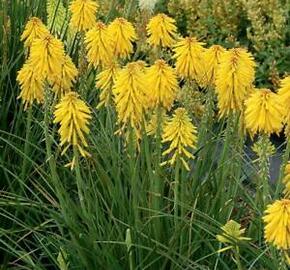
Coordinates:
x,y
31,84
181,135
277,224
105,81
83,14
47,56
34,29
130,97
189,62
264,112
99,45
284,93
211,58
123,35
161,31
63,82
234,80
162,85
74,117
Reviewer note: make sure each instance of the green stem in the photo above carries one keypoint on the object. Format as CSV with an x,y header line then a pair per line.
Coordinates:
x,y
237,258
264,172
26,145
282,169
156,184
133,180
48,141
176,191
79,180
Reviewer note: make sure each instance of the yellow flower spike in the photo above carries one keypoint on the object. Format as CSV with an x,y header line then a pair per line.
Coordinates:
x,y
234,78
286,180
33,29
123,35
129,92
277,224
284,93
99,45
31,84
284,90
232,233
74,116
63,82
47,56
181,135
264,112
161,31
211,59
104,81
162,84
188,54
83,14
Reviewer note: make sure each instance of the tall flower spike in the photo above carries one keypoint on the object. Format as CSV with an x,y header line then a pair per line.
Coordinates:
x,y
47,56
74,116
277,224
286,180
284,93
123,34
34,29
31,85
264,112
211,59
63,82
99,45
162,84
83,14
188,54
234,78
129,95
182,136
161,31
105,81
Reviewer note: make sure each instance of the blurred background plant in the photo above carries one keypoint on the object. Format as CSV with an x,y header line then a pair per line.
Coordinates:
x,y
261,25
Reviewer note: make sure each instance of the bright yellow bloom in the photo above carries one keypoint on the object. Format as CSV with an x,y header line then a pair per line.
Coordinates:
x,y
188,55
284,93
130,95
161,31
99,45
284,90
162,84
63,82
32,86
73,115
105,81
182,136
232,233
83,14
123,34
47,56
234,78
286,180
277,224
34,29
264,112
211,59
